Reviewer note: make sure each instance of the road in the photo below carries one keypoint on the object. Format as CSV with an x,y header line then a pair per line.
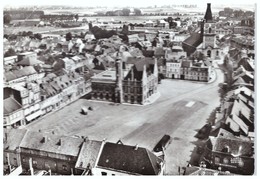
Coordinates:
x,y
182,109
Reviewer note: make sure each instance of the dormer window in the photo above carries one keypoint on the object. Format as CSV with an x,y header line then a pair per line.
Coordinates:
x,y
226,149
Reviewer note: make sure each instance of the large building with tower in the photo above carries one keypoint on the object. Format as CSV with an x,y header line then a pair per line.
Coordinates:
x,y
204,40
129,83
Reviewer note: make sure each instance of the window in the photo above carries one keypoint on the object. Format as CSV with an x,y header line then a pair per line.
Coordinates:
x,y
64,167
113,174
217,159
225,160
34,162
103,173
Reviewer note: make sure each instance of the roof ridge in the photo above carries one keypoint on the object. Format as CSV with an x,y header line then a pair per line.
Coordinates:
x,y
147,152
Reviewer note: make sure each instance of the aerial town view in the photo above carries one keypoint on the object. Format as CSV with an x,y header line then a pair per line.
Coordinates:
x,y
129,89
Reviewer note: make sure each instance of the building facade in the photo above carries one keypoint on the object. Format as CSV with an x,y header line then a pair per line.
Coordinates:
x,y
134,85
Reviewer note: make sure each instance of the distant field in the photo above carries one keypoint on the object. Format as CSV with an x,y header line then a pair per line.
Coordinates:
x,y
43,30
130,19
11,30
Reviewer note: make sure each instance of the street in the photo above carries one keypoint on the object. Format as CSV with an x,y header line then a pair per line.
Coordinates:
x,y
181,110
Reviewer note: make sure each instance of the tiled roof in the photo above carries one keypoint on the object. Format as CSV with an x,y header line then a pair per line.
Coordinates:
x,y
241,123
63,145
88,154
238,107
124,158
193,40
232,124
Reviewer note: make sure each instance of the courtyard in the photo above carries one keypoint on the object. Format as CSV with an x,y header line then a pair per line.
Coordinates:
x,y
182,109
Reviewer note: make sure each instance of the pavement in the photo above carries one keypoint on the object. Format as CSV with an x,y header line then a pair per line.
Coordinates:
x,y
180,111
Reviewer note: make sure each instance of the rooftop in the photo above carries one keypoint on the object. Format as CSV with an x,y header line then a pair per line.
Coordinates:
x,y
11,105
129,159
236,146
47,142
13,138
88,154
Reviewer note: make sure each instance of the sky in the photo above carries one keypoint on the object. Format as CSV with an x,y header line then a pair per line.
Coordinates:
x,y
119,3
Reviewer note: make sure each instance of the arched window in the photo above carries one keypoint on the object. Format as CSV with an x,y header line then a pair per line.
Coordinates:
x,y
217,53
210,30
209,53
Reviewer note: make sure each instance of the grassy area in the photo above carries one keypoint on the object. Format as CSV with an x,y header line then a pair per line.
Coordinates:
x,y
15,30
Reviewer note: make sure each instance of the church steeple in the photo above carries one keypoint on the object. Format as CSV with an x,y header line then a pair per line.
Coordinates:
x,y
208,15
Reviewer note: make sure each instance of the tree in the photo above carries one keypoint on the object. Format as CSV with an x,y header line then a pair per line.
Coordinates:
x,y
154,43
7,19
90,26
68,36
125,30
76,17
29,33
169,19
126,12
100,33
38,36
138,12
10,52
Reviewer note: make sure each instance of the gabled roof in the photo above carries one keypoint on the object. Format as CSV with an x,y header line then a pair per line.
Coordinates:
x,y
193,40
127,159
11,105
88,154
241,123
62,145
238,107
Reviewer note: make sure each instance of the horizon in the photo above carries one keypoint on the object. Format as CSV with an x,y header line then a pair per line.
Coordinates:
x,y
247,5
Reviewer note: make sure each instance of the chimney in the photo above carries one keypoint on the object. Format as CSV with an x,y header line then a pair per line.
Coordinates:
x,y
240,113
59,142
5,139
44,139
85,139
136,146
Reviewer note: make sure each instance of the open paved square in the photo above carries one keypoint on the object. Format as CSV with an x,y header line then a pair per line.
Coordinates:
x,y
181,110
